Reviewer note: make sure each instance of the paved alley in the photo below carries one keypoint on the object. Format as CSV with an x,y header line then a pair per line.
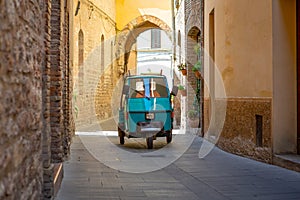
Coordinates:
x,y
219,175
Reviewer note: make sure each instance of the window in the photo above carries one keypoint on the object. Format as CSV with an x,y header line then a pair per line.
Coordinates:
x,y
155,38
80,61
150,87
179,44
102,54
112,62
80,46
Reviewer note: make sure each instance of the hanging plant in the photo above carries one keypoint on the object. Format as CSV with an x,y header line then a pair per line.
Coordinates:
x,y
182,90
182,68
197,69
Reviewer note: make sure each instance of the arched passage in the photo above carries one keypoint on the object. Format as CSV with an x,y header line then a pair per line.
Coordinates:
x,y
128,36
194,61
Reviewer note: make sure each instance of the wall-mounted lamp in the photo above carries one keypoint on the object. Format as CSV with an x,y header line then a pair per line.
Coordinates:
x,y
91,9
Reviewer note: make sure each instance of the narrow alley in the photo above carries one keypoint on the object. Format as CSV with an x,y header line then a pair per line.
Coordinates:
x,y
217,176
150,99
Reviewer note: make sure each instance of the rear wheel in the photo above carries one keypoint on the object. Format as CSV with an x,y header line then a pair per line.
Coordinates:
x,y
150,142
169,137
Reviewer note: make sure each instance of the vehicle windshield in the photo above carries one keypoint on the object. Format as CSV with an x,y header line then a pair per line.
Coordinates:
x,y
148,87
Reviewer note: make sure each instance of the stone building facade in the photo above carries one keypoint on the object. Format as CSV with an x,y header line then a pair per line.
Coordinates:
x,y
93,45
188,51
35,85
104,49
251,53
248,100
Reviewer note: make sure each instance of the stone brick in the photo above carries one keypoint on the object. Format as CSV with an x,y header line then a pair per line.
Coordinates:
x,y
25,107
239,132
20,86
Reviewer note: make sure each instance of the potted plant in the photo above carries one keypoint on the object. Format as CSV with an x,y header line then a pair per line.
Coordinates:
x,y
193,118
182,90
182,68
197,68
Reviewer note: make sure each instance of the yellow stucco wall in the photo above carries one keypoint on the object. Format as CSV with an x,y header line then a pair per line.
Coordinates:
x,y
243,45
255,53
128,10
109,7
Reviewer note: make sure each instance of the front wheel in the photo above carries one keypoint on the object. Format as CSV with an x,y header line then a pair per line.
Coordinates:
x,y
149,142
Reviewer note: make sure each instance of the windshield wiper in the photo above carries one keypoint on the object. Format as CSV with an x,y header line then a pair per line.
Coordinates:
x,y
140,93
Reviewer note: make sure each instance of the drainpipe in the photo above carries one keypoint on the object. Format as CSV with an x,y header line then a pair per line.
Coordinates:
x,y
173,41
202,60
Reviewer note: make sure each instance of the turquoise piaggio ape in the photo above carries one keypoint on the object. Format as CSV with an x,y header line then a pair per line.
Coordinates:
x,y
146,109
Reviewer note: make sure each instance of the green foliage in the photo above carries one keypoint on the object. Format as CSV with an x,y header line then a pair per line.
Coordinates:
x,y
197,48
181,66
193,114
180,87
197,66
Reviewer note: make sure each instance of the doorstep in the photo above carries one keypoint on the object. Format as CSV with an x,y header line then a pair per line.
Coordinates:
x,y
289,161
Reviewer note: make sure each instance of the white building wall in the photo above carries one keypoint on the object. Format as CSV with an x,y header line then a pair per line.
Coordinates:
x,y
154,60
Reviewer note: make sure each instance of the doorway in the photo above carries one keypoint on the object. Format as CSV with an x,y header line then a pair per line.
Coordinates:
x,y
298,75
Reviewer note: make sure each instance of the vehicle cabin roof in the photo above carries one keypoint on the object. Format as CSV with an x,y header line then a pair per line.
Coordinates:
x,y
146,76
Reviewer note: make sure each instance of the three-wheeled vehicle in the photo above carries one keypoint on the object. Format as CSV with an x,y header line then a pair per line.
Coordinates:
x,y
146,109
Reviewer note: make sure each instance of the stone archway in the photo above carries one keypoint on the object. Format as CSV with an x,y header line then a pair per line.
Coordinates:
x,y
127,37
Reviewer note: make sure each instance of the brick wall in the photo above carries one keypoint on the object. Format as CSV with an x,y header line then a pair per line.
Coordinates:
x,y
21,57
35,96
68,125
56,87
193,29
62,126
239,134
46,131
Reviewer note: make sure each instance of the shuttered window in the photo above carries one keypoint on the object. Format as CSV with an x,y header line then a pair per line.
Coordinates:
x,y
155,38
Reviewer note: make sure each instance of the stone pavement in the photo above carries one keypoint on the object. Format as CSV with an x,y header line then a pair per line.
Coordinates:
x,y
217,176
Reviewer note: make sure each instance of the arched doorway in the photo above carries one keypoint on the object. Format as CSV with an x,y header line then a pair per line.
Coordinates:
x,y
196,82
127,38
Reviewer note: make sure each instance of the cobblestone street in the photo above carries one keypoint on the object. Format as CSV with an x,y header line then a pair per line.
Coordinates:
x,y
219,175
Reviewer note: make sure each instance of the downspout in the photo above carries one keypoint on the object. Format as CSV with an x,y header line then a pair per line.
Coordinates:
x,y
173,41
202,60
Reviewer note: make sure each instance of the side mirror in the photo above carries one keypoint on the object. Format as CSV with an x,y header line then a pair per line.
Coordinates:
x,y
125,89
174,90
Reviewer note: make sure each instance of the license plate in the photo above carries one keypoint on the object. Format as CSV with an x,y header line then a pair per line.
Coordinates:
x,y
149,115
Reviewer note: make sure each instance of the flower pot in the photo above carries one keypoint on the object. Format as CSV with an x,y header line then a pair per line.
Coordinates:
x,y
184,72
183,92
197,74
193,123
